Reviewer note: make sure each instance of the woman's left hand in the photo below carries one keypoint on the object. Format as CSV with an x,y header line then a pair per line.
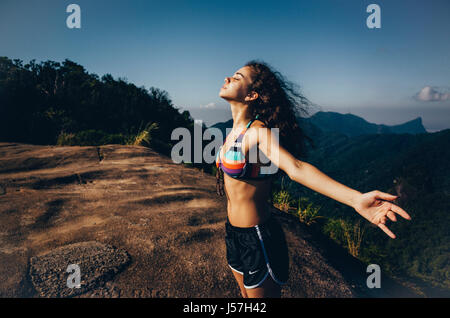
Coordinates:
x,y
374,206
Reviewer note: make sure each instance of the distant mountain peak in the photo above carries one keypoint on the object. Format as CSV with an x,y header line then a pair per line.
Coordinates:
x,y
353,125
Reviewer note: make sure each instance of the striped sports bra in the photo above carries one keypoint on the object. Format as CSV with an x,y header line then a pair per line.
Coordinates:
x,y
234,163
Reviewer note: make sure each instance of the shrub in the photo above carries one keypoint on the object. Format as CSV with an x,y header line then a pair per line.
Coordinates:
x,y
346,234
144,137
282,200
306,212
91,137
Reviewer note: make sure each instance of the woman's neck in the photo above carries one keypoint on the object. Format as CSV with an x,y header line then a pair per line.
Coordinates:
x,y
241,115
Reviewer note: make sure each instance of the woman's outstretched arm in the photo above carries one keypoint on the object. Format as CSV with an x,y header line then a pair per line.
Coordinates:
x,y
311,177
373,206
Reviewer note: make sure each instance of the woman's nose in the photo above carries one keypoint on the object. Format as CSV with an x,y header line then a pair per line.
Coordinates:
x,y
227,79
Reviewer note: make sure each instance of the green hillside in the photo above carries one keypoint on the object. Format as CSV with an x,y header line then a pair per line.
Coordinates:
x,y
415,167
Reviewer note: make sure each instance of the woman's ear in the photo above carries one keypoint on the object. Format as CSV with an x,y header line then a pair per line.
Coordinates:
x,y
251,96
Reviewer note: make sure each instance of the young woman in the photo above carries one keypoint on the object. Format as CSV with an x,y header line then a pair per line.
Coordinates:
x,y
261,99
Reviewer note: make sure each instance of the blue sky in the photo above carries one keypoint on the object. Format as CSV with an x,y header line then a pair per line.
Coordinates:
x,y
389,75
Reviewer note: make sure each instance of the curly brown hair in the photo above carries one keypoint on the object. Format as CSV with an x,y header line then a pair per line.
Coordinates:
x,y
280,104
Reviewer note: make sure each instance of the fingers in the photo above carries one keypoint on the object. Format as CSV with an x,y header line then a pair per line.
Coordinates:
x,y
400,211
394,208
386,230
385,196
391,216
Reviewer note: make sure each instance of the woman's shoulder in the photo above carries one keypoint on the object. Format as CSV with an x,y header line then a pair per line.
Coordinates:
x,y
256,130
258,124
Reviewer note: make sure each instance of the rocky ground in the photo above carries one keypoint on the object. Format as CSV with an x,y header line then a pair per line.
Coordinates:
x,y
139,225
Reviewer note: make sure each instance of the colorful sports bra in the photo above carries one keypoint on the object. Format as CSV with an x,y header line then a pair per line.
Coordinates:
x,y
234,163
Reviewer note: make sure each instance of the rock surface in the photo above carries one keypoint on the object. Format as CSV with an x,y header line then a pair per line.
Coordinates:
x,y
95,264
166,217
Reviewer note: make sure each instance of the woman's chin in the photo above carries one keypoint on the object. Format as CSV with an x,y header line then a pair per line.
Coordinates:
x,y
226,95
222,94
226,98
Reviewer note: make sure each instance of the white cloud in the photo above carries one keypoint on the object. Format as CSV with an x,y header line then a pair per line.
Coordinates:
x,y
209,106
431,94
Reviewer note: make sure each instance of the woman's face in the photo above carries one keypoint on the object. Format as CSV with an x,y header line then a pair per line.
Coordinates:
x,y
236,88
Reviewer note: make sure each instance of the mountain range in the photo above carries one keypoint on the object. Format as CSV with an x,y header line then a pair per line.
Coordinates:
x,y
346,124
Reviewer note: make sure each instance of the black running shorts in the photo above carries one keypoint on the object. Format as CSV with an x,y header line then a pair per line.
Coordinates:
x,y
257,252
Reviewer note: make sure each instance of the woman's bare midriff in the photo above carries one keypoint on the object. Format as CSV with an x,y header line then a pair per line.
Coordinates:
x,y
247,201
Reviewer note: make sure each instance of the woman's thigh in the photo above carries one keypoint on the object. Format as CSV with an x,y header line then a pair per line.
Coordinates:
x,y
269,289
240,280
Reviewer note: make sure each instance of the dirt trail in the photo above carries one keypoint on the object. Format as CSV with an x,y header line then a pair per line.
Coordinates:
x,y
166,217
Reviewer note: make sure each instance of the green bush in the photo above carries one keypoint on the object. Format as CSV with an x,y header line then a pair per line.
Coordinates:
x,y
306,212
346,234
91,137
144,137
282,200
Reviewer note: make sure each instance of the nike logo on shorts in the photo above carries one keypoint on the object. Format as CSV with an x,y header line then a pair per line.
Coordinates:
x,y
251,273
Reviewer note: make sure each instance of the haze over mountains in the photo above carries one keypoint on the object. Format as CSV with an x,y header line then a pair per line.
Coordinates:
x,y
347,124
